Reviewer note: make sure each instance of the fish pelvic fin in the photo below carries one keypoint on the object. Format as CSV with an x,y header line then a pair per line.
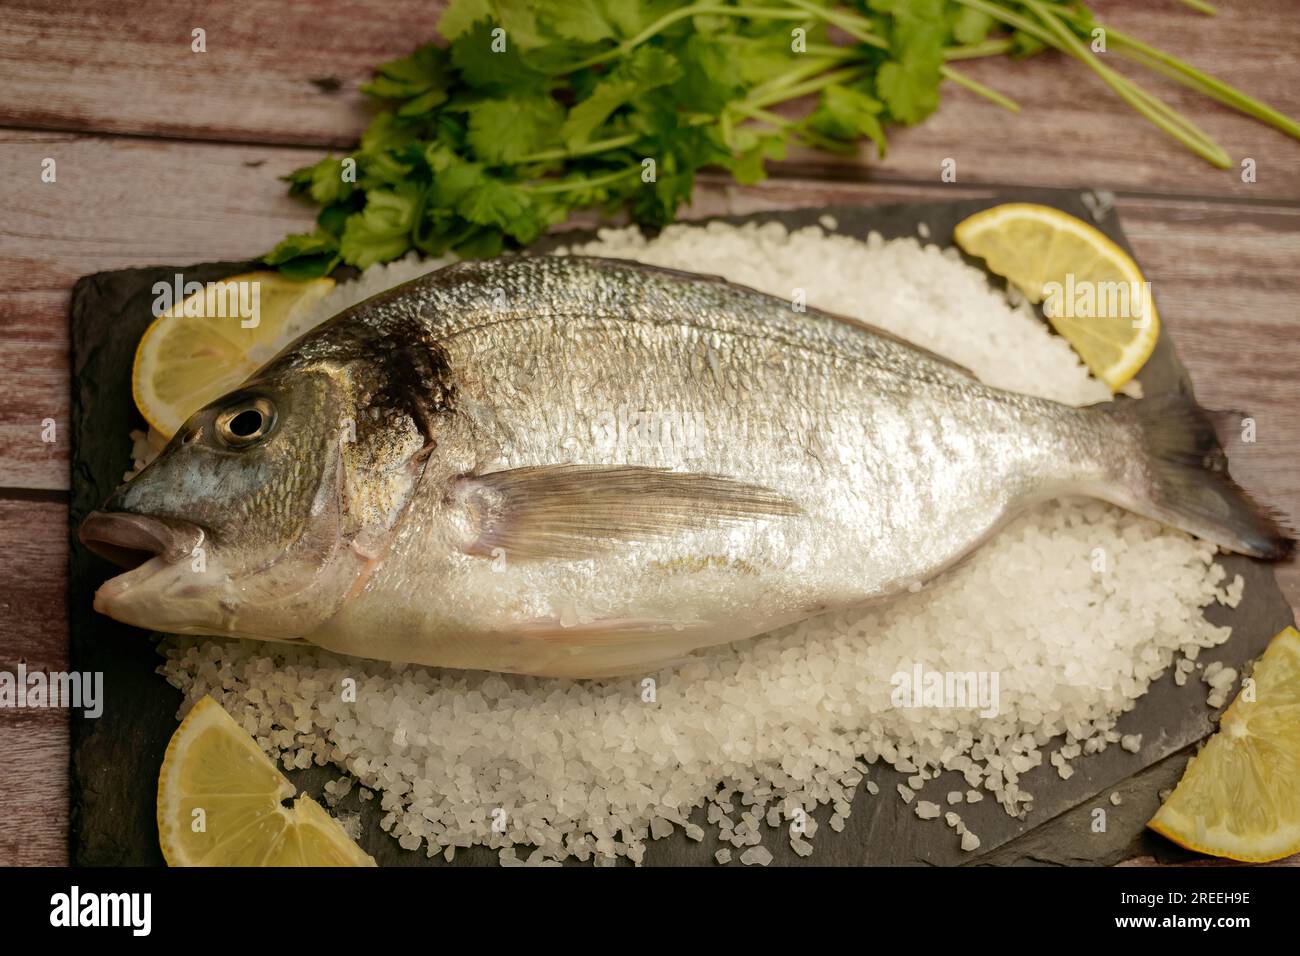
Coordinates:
x,y
1185,480
576,511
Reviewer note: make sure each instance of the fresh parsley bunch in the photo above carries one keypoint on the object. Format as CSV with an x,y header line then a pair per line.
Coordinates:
x,y
532,109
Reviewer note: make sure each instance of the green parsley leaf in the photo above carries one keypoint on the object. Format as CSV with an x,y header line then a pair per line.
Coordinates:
x,y
711,75
424,75
647,69
584,21
506,129
460,15
848,114
324,182
909,83
971,25
305,255
493,63
382,230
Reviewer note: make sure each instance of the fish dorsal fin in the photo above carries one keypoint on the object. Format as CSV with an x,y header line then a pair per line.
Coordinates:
x,y
575,511
624,265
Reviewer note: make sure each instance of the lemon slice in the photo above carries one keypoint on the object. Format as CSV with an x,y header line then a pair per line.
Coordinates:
x,y
220,803
1092,291
1240,796
214,339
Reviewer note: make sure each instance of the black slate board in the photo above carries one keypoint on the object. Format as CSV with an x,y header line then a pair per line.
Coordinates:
x,y
115,758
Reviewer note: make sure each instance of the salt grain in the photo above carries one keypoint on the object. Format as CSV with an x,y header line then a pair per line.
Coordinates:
x,y
927,810
756,855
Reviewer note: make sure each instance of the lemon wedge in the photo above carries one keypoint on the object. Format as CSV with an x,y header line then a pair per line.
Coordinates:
x,y
1092,291
1240,796
221,803
215,338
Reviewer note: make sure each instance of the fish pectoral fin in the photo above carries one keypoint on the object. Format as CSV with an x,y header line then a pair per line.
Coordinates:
x,y
575,511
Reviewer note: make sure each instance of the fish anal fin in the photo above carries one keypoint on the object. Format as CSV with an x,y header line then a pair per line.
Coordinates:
x,y
607,630
613,647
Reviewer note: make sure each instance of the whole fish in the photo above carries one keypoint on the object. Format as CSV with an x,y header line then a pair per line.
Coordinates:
x,y
583,467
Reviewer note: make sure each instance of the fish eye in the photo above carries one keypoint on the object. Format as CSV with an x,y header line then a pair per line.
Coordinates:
x,y
246,423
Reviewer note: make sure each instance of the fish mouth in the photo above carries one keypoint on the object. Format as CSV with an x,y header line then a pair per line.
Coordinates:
x,y
132,540
149,549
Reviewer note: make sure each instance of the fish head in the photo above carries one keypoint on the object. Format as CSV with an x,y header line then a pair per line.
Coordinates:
x,y
265,509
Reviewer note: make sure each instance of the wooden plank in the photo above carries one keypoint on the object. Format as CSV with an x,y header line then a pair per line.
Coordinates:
x,y
33,576
90,67
124,202
34,390
116,203
273,72
33,743
34,801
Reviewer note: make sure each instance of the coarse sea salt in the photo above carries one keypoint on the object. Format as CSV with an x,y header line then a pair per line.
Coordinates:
x,y
547,770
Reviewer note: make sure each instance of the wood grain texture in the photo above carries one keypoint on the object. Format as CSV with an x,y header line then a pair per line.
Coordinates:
x,y
33,576
275,71
33,625
34,789
86,67
116,203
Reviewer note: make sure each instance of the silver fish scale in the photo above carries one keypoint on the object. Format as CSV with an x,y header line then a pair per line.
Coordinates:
x,y
900,462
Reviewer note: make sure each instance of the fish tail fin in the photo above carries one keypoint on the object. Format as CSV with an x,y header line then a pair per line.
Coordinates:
x,y
1182,478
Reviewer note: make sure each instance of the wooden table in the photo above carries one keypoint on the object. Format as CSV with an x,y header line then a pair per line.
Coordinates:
x,y
167,156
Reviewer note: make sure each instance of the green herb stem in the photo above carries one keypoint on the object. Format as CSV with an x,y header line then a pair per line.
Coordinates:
x,y
974,51
975,86
763,116
805,88
1011,19
1056,34
1182,72
785,92
831,51
1193,78
855,26
1150,106
693,10
587,149
791,77
568,185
